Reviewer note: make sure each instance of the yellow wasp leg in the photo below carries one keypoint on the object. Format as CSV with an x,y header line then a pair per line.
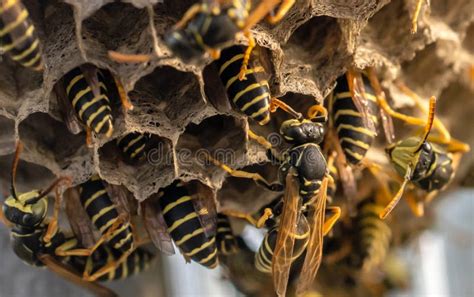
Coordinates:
x,y
88,251
414,20
262,10
127,105
247,54
245,216
329,223
112,265
276,103
260,139
417,207
397,196
188,15
316,109
384,104
282,11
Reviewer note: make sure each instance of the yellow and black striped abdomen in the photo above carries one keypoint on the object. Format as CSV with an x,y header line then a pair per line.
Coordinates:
x,y
133,146
17,35
251,96
355,138
103,214
264,256
94,112
185,227
226,242
374,235
135,263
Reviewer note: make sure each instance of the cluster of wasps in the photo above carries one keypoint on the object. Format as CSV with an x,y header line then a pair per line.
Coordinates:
x,y
327,146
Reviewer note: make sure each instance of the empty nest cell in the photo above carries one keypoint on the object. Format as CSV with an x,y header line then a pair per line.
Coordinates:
x,y
166,97
50,143
7,135
222,137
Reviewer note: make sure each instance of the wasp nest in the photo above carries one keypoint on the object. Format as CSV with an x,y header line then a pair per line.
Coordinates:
x,y
185,107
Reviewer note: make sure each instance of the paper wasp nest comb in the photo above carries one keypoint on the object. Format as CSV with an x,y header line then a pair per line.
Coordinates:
x,y
184,107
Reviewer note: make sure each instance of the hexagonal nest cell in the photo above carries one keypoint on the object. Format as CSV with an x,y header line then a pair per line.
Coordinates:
x,y
183,108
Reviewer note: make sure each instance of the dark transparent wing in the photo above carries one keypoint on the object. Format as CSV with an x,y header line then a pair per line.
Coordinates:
x,y
283,253
314,249
78,219
67,111
204,205
155,225
122,199
356,87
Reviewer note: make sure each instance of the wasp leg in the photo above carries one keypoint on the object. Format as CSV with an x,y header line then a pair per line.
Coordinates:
x,y
214,53
273,154
315,110
259,13
257,178
276,103
62,252
4,220
89,137
453,145
421,106
259,223
329,223
110,266
414,20
127,105
384,104
129,58
53,223
282,11
247,54
397,196
417,207
190,13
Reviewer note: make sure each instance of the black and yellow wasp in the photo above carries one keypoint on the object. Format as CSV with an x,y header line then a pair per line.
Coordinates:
x,y
251,96
427,161
212,25
133,146
188,213
18,37
38,240
304,178
225,238
86,95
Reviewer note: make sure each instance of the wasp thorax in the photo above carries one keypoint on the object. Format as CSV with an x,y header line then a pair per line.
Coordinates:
x,y
27,210
183,46
302,131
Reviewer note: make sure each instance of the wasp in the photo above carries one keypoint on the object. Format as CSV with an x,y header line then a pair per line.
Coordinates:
x,y
210,26
36,238
303,175
18,38
133,146
85,94
225,238
374,235
252,95
427,161
188,212
107,208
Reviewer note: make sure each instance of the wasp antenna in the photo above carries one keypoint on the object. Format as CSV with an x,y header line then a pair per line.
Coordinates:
x,y
429,123
18,150
67,180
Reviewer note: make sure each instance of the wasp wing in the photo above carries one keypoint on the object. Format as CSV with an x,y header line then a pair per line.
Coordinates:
x,y
155,225
314,248
79,221
283,253
357,89
122,198
69,274
68,113
204,205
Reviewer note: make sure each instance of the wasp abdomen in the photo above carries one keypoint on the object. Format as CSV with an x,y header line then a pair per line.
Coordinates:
x,y
133,146
185,227
354,137
94,112
251,96
103,214
17,35
226,243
